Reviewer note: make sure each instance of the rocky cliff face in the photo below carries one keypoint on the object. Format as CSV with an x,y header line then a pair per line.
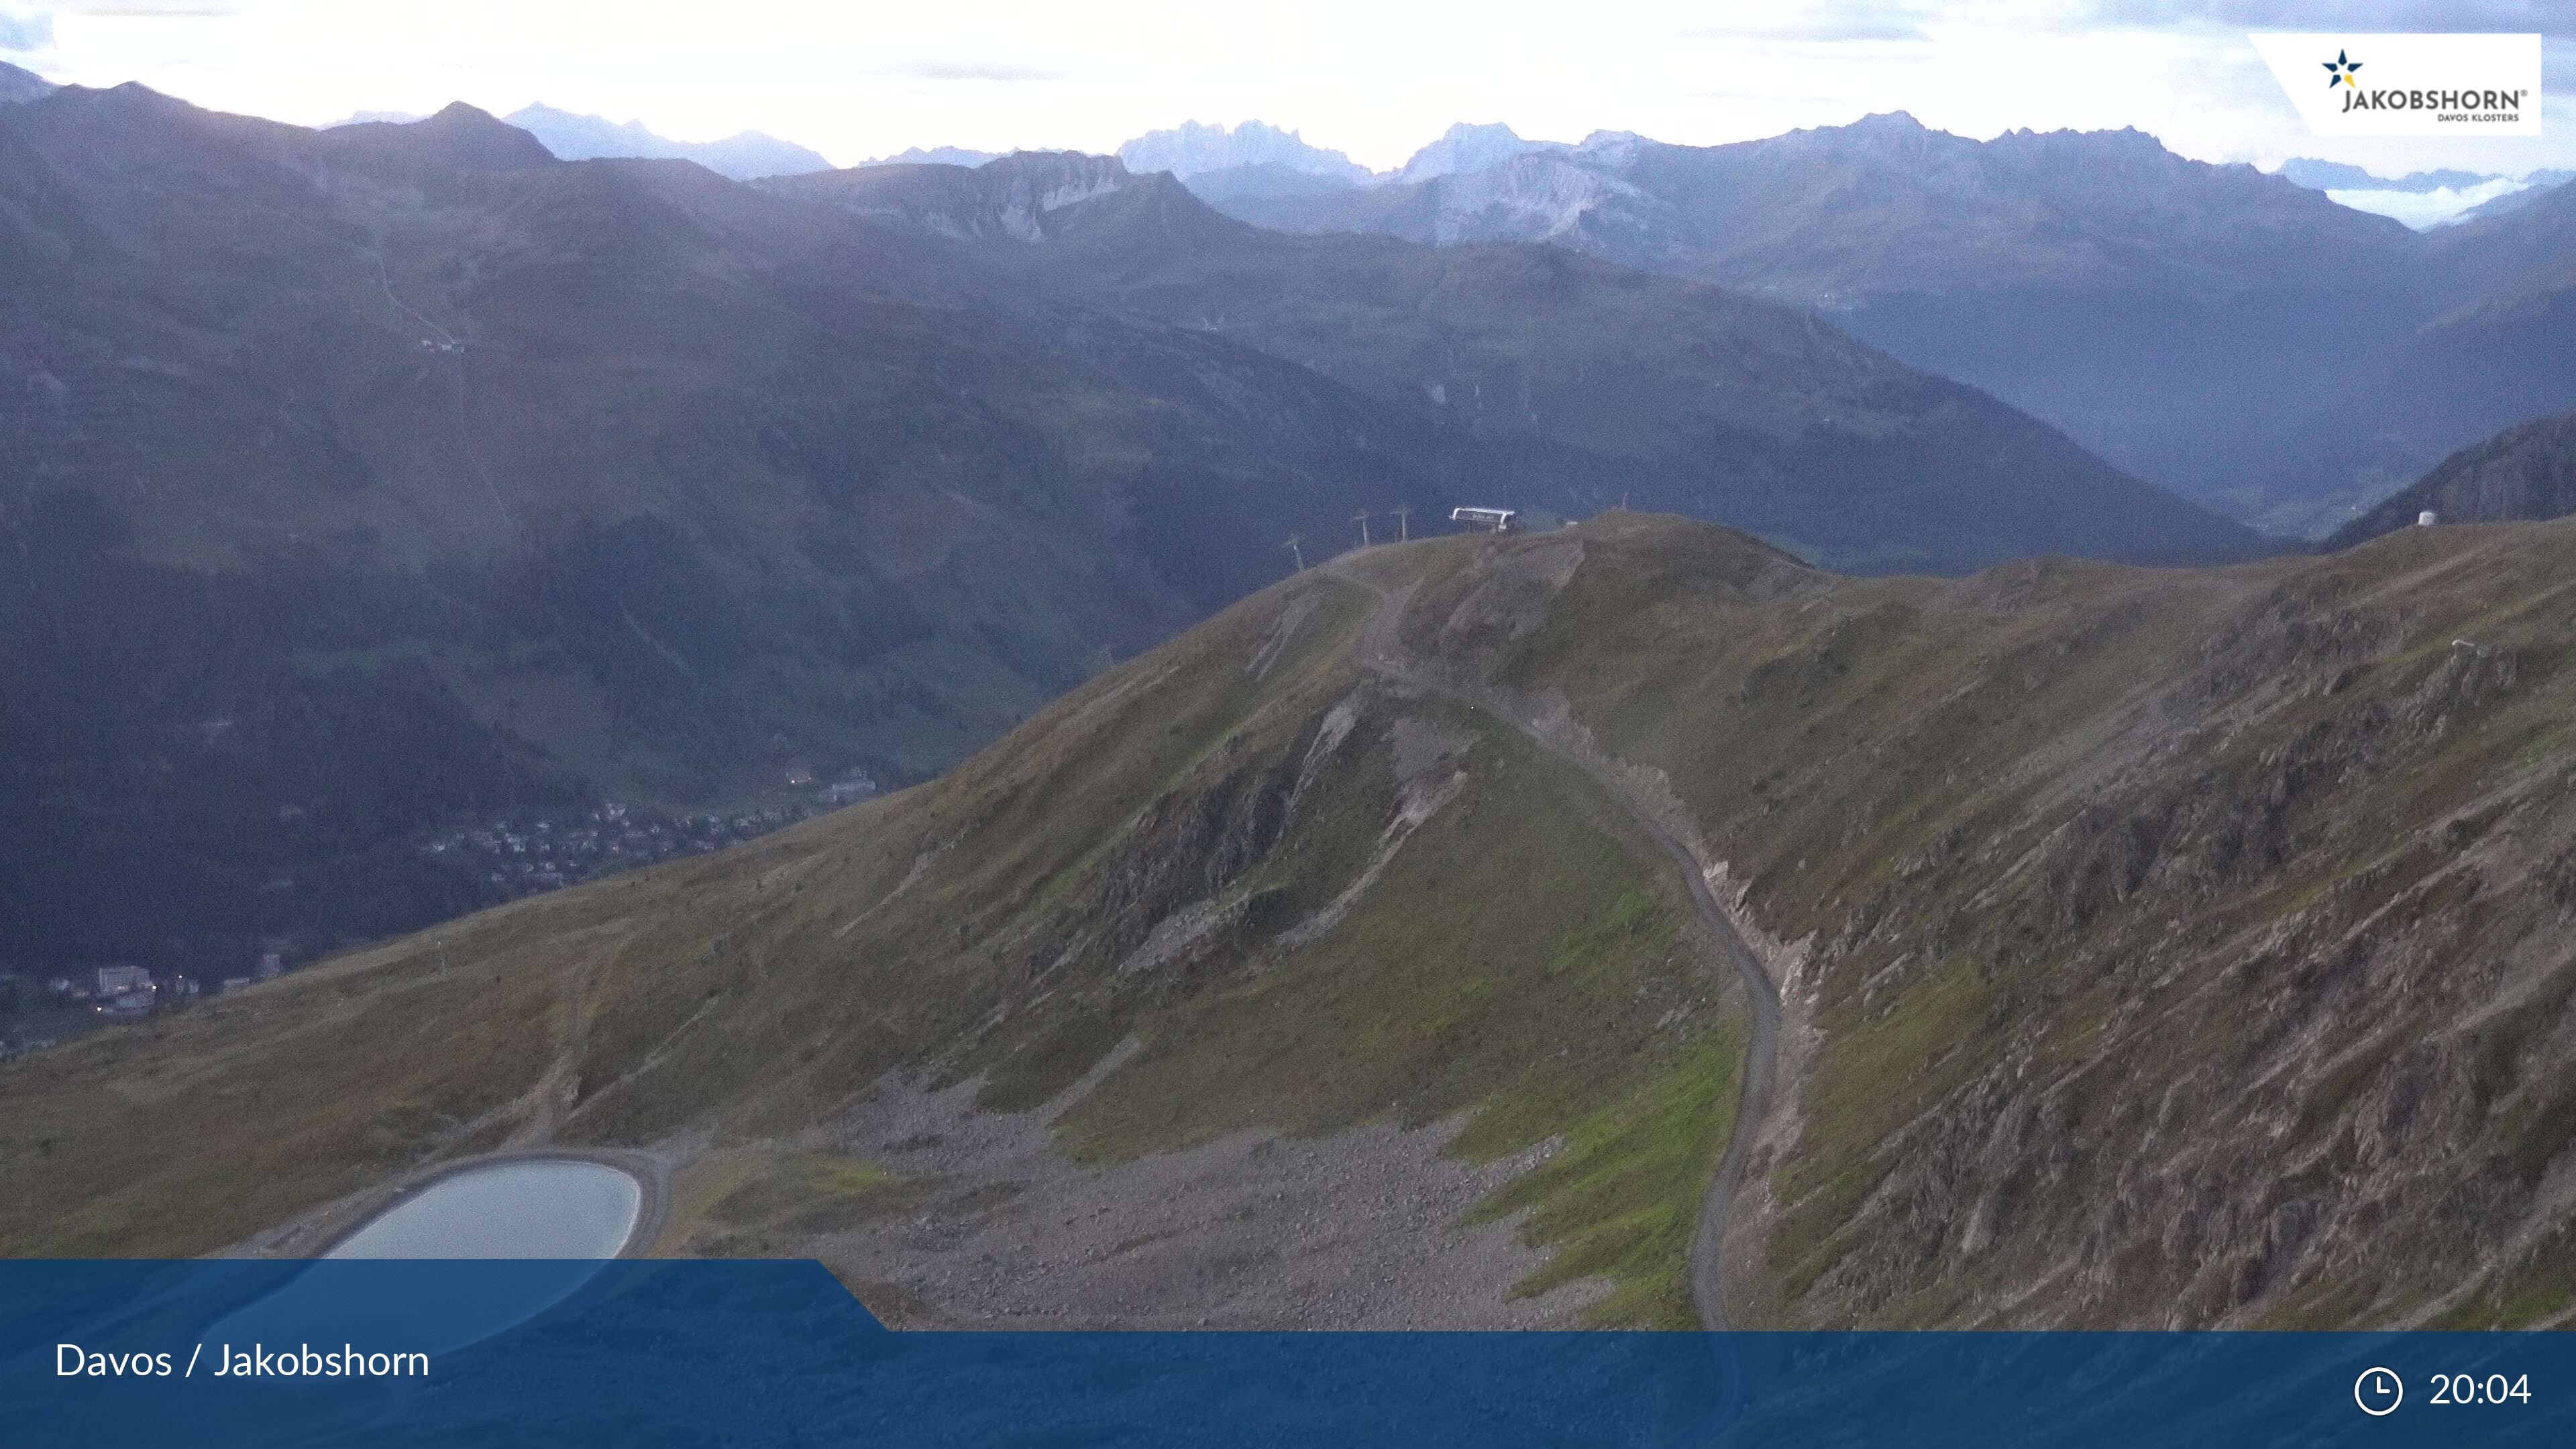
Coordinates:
x,y
1467,147
2526,472
2312,1036
1536,197
1014,197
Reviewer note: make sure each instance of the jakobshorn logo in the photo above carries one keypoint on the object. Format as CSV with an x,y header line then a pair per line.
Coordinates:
x,y
2343,71
2418,85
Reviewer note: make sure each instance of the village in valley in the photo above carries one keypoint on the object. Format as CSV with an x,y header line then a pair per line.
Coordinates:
x,y
527,855
514,856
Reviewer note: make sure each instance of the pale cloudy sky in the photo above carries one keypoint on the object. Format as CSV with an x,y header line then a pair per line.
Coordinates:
x,y
1374,77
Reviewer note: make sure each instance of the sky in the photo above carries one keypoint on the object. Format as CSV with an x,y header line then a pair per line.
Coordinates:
x,y
860,79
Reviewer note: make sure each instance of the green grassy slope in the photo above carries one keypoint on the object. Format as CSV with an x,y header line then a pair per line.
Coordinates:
x,y
1002,923
2157,947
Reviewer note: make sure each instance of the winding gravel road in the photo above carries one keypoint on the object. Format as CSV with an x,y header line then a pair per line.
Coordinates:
x,y
1379,648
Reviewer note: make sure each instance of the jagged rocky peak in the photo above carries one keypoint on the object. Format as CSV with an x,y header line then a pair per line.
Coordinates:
x,y
1016,197
1885,123
1013,196
1613,149
1467,147
1881,133
1195,148
1054,178
1544,194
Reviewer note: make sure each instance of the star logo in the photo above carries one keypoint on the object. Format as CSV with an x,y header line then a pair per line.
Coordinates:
x,y
2339,72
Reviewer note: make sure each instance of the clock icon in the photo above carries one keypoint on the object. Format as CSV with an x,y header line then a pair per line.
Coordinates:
x,y
2379,1391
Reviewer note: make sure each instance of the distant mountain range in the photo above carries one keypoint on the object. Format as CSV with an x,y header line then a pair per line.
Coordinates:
x,y
2337,176
2424,199
1248,160
2163,311
480,482
1195,150
748,156
2534,187
935,156
1693,399
1254,160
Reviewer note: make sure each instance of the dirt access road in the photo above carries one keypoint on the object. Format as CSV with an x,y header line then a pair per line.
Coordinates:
x,y
1380,649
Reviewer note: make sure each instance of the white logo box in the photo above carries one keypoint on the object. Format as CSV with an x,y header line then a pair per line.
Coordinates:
x,y
2408,85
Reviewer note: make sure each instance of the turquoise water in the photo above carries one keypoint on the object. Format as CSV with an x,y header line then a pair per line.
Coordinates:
x,y
540,1208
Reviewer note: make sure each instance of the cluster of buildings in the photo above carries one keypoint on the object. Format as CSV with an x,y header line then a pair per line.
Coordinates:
x,y
529,855
36,1012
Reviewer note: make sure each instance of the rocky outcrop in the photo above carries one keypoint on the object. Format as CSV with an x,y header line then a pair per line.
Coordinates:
x,y
2525,472
2184,954
2255,1047
1013,198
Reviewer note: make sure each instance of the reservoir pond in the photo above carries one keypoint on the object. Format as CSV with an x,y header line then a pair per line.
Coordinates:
x,y
540,1208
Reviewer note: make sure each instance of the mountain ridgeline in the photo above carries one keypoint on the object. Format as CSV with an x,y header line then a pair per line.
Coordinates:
x,y
747,156
620,479
2150,948
1675,396
571,136
22,85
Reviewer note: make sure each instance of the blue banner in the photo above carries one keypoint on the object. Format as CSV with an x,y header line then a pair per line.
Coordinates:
x,y
648,1353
